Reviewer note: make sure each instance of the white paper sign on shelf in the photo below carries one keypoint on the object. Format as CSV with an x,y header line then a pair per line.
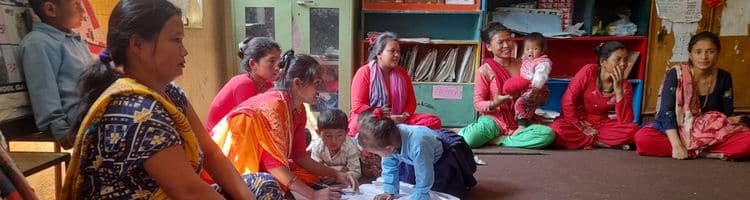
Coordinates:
x,y
454,92
460,2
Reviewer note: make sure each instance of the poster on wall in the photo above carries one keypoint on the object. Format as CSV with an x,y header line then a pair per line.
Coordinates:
x,y
91,29
680,17
737,24
192,12
15,23
90,25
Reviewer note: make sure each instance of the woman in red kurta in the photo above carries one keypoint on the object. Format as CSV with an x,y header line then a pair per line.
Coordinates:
x,y
259,58
384,84
592,93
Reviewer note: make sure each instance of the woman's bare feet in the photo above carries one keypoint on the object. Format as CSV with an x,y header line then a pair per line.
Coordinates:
x,y
679,153
498,139
600,144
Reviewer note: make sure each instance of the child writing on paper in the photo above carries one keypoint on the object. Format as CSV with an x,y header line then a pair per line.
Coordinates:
x,y
334,148
435,160
530,88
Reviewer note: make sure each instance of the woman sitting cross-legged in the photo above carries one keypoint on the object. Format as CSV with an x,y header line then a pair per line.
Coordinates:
x,y
594,91
694,103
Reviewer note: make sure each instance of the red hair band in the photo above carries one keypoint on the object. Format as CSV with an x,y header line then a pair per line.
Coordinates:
x,y
377,113
372,39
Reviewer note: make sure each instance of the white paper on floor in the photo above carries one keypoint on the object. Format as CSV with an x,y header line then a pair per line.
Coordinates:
x,y
369,191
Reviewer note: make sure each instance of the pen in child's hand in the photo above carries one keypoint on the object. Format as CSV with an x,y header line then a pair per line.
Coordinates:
x,y
336,189
343,192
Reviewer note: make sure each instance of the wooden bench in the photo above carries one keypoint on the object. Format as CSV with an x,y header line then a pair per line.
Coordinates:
x,y
32,162
24,130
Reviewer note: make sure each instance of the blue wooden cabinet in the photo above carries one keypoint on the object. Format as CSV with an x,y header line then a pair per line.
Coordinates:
x,y
455,111
557,89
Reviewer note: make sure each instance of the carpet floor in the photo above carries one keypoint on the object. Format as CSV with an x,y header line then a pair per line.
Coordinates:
x,y
605,174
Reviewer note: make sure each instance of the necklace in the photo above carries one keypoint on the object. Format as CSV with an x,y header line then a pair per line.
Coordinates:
x,y
260,85
707,84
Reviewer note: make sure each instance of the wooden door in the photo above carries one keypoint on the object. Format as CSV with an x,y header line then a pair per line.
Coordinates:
x,y
323,29
259,18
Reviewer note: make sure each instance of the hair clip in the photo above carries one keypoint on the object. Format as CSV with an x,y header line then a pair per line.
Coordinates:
x,y
601,45
286,58
105,56
288,55
377,113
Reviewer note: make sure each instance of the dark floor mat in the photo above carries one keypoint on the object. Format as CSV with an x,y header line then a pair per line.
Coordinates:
x,y
607,174
498,150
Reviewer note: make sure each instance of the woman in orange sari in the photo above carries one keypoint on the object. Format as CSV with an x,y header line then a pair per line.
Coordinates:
x,y
266,132
694,102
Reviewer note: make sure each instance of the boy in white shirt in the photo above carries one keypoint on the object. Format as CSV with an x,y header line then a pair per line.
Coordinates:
x,y
334,148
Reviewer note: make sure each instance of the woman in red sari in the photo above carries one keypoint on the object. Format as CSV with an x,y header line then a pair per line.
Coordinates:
x,y
382,83
497,124
694,103
593,92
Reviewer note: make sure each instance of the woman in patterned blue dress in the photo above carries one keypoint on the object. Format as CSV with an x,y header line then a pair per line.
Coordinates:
x,y
140,137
